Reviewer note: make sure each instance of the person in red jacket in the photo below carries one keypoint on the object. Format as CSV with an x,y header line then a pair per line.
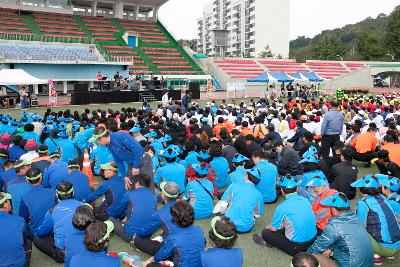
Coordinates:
x,y
203,157
322,213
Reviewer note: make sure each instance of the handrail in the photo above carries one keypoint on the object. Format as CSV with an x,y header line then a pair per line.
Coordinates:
x,y
42,38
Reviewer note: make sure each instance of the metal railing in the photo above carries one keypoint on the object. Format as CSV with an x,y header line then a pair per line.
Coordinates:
x,y
42,38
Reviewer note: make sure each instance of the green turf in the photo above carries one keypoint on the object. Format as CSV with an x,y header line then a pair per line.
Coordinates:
x,y
254,255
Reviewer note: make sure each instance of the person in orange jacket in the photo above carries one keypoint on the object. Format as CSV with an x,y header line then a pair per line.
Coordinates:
x,y
245,129
322,213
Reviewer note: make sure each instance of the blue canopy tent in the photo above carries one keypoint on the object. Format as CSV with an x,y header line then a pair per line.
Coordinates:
x,y
313,77
308,76
267,77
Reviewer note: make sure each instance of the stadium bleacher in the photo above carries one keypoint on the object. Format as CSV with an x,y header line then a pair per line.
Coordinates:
x,y
158,52
26,51
250,68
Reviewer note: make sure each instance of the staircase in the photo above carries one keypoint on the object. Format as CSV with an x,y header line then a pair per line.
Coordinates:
x,y
147,97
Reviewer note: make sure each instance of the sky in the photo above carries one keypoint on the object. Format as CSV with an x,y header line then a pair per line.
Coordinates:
x,y
308,17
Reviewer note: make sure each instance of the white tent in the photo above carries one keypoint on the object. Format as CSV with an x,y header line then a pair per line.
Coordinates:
x,y
18,77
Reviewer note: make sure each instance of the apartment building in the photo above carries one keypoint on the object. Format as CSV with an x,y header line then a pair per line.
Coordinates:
x,y
252,25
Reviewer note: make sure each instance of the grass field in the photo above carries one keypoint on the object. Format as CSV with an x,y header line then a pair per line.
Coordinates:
x,y
254,255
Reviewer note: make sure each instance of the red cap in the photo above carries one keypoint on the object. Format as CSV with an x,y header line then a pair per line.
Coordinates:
x,y
30,144
6,139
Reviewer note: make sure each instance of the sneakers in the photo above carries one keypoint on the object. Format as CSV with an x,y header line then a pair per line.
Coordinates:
x,y
258,240
378,261
390,258
367,164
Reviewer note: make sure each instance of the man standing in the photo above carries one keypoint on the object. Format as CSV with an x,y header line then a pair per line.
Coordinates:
x,y
331,128
124,148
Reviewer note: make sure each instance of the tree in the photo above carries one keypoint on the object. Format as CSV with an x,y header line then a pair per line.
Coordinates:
x,y
370,48
266,53
328,48
392,37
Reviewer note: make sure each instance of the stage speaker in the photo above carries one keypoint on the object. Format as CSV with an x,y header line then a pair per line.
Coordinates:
x,y
194,86
81,88
12,66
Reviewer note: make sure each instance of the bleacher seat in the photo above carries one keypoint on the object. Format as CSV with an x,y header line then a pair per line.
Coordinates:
x,y
240,68
24,51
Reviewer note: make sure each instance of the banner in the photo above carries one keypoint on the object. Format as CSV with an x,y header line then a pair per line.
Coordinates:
x,y
52,93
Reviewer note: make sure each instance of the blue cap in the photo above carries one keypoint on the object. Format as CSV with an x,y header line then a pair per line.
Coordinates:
x,y
367,181
46,129
14,123
4,119
203,155
36,117
170,153
201,169
336,201
319,180
312,150
135,129
68,120
49,120
165,138
310,159
288,182
150,135
175,148
62,126
76,123
204,119
389,181
61,119
255,172
75,128
63,134
239,158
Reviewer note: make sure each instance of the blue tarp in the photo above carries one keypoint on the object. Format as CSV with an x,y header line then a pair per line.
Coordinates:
x,y
271,77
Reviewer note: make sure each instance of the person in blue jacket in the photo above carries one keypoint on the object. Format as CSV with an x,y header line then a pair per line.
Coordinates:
x,y
16,151
293,226
96,239
29,133
17,185
99,155
36,202
142,204
151,139
3,158
344,241
199,192
74,243
269,177
59,222
171,171
113,188
43,161
81,138
378,218
52,141
161,218
16,248
67,149
184,245
242,202
390,186
124,148
56,172
79,180
223,235
7,174
191,154
311,169
220,166
239,174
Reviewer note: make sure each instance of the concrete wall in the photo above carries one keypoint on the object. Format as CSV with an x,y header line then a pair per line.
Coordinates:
x,y
361,78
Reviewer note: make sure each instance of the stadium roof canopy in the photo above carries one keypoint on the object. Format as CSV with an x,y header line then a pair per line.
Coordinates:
x,y
141,3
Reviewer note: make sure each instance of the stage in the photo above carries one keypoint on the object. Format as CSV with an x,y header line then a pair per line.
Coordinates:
x,y
97,97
